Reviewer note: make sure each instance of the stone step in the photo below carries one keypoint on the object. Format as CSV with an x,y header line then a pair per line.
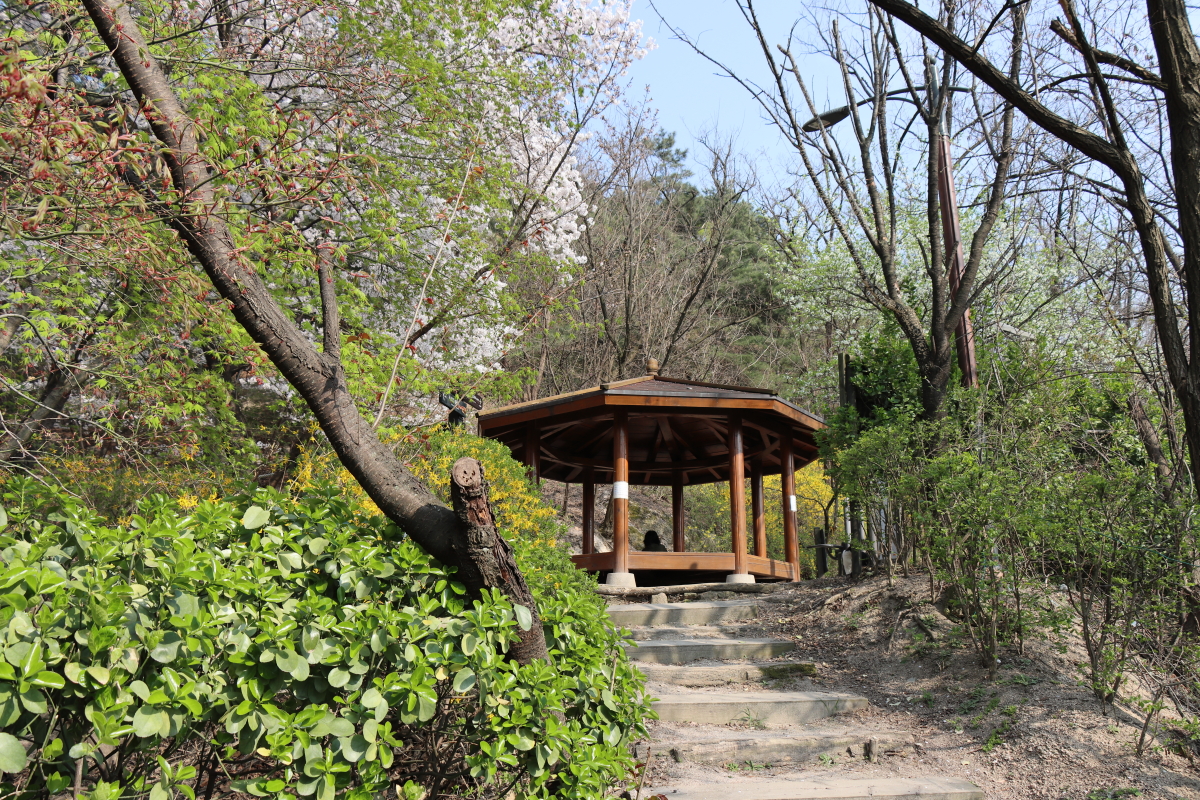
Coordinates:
x,y
755,708
930,788
657,632
646,614
724,674
681,651
724,746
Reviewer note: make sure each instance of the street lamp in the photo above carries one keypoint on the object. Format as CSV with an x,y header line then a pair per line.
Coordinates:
x,y
964,332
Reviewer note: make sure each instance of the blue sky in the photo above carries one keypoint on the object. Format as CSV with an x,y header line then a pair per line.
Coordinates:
x,y
690,96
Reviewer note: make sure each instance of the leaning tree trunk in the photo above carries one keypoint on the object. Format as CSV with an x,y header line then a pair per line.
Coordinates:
x,y
318,377
60,384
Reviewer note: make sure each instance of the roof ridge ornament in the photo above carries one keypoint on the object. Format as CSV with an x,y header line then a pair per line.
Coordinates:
x,y
652,367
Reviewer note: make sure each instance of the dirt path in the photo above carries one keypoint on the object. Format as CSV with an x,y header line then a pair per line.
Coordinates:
x,y
1034,732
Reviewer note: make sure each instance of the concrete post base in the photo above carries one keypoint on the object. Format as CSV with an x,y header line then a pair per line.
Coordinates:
x,y
622,579
736,578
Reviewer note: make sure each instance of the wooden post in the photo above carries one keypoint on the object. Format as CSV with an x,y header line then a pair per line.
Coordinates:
x,y
620,494
678,522
855,538
757,511
822,556
533,453
737,499
589,511
787,479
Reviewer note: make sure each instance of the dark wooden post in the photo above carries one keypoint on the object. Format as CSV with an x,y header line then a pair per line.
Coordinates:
x,y
787,480
620,500
737,501
589,511
533,452
855,540
822,552
757,511
678,522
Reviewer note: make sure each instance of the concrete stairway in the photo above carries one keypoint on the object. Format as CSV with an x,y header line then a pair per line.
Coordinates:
x,y
708,665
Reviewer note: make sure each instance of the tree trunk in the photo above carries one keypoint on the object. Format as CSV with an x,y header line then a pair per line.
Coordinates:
x,y
487,548
318,377
1179,60
59,385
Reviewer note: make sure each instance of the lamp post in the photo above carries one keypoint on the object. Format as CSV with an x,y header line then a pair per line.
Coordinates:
x,y
964,332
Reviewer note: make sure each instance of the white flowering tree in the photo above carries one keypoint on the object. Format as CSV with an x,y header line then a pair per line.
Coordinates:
x,y
433,161
292,196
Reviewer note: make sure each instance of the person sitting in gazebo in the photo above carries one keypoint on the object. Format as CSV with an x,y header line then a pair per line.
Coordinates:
x,y
651,543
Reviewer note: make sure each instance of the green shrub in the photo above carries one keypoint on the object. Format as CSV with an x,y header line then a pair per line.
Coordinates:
x,y
288,646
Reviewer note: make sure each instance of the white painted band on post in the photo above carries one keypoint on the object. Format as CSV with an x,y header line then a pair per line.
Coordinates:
x,y
620,490
791,502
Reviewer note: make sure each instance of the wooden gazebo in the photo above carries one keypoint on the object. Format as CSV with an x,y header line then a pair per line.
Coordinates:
x,y
664,431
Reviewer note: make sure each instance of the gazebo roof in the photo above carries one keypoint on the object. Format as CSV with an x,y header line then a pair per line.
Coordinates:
x,y
675,427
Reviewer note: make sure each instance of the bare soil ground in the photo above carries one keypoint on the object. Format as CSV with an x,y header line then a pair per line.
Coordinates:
x,y
1033,732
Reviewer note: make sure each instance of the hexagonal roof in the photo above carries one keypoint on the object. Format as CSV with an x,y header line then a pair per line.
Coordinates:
x,y
675,426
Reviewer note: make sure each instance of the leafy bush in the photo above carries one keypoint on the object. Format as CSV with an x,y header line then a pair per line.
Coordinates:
x,y
287,646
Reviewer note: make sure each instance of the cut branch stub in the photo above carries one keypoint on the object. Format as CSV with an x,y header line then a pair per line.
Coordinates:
x,y
490,555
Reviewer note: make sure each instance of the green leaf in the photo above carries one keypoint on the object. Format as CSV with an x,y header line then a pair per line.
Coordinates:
x,y
32,663
371,697
56,782
524,618
12,754
149,721
338,678
167,648
16,600
20,625
354,748
341,727
317,545
469,642
520,741
183,605
300,672
3,518
10,710
311,638
464,681
99,674
48,680
426,708
255,517
34,701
